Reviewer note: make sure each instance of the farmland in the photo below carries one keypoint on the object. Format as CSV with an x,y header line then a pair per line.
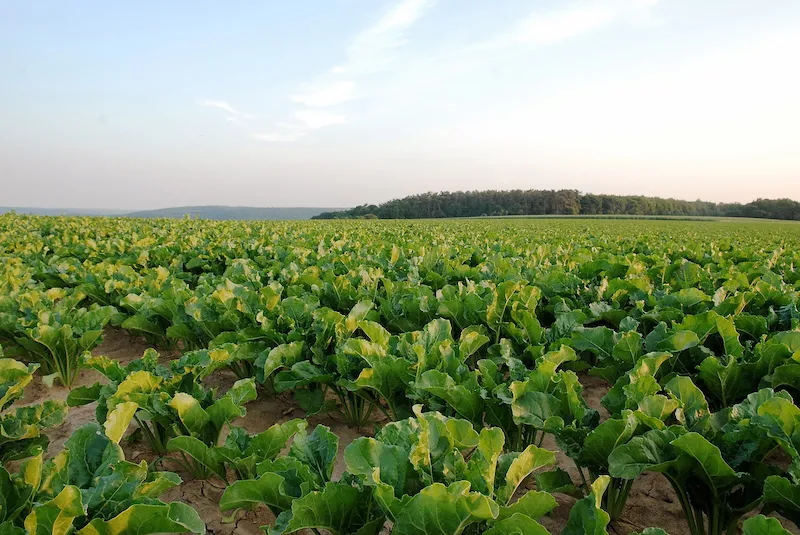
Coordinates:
x,y
419,377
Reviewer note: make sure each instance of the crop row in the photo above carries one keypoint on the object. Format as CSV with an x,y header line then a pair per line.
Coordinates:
x,y
471,344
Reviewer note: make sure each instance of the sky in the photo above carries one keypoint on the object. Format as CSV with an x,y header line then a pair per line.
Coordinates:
x,y
336,103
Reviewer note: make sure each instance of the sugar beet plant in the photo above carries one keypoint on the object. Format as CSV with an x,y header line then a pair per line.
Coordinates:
x,y
173,411
54,328
716,462
90,489
22,429
427,475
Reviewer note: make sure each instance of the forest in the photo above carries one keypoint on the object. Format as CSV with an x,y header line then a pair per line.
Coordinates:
x,y
492,203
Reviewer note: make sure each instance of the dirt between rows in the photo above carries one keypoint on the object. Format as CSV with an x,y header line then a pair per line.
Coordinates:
x,y
652,501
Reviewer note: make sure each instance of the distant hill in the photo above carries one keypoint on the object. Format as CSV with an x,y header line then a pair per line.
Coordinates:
x,y
197,212
232,212
60,211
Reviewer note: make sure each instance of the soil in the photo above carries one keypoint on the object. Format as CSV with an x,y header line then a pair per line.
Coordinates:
x,y
652,502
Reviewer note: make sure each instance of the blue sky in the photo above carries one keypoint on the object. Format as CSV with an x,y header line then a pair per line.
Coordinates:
x,y
340,102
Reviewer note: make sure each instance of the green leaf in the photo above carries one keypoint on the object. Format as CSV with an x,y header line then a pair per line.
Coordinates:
x,y
440,510
283,356
692,404
230,406
339,508
730,338
679,341
110,368
157,483
388,377
55,517
470,341
533,504
781,418
557,480
725,381
378,463
16,498
21,433
546,370
375,332
91,453
786,375
14,377
267,489
706,454
113,491
703,325
7,528
656,407
517,524
138,386
317,450
632,388
587,516
530,460
303,373
761,525
138,322
142,519
783,496
193,416
628,349
753,326
482,464
566,323
199,452
467,403
267,444
119,419
83,395
536,409
597,340
650,451
605,438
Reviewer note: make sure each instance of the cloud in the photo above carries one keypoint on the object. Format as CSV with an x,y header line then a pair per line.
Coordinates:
x,y
327,95
428,81
316,119
304,122
234,114
547,28
279,136
368,51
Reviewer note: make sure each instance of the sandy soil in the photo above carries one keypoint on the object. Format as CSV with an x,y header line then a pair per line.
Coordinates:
x,y
652,501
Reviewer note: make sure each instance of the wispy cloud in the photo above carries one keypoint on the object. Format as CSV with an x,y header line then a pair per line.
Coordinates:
x,y
233,113
369,52
428,81
332,94
316,119
274,137
549,27
376,51
304,121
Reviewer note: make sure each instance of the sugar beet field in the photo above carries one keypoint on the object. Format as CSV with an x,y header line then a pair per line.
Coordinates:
x,y
448,377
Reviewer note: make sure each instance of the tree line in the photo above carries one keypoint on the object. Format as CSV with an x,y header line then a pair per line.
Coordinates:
x,y
558,202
